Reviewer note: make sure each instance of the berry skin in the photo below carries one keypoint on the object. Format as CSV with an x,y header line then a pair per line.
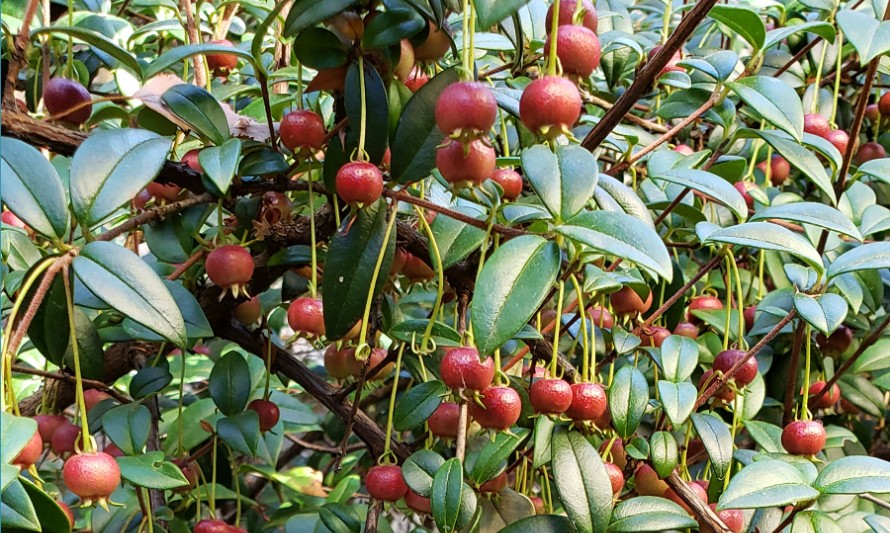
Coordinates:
x,y
627,302
803,437
359,182
335,362
839,139
461,368
538,503
723,393
191,159
418,503
671,65
647,482
588,401
164,193
61,94
417,78
816,124
728,358
112,450
471,163
510,181
443,422
67,510
884,105
48,424
550,396
578,50
267,411
734,519
550,103
828,399
749,313
386,483
248,313
494,485
92,397
743,187
684,149
654,336
836,343
230,267
869,151
30,454
686,329
567,14
64,439
306,315
212,526
696,488
302,131
377,356
416,269
780,169
221,64
468,106
601,317
872,112
616,477
191,472
9,218
92,476
501,407
703,303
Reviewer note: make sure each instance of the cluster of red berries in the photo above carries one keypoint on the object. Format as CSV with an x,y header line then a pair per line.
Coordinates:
x,y
875,113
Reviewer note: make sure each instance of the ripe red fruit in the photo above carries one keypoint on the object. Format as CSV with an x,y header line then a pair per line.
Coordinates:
x,y
617,452
550,396
267,411
743,187
501,407
654,336
872,112
306,315
443,422
48,424
64,439
302,131
836,343
803,437
67,510
734,519
749,314
538,503
567,14
461,368
839,139
703,303
816,124
30,454
627,301
359,182
418,503
416,79
616,477
684,149
728,358
686,329
191,159
335,362
510,181
828,399
62,94
578,50
884,104
869,151
471,163
436,45
647,482
92,476
164,193
212,526
601,317
549,105
385,482
494,485
416,269
671,65
696,488
466,107
230,267
112,450
222,63
723,393
248,313
780,169
588,401
8,217
91,397
377,356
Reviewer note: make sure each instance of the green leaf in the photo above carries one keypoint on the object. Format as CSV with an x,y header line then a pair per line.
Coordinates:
x,y
443,334
547,523
16,509
198,109
871,256
418,404
230,384
151,471
767,483
8,474
815,522
376,111
677,399
241,432
767,236
220,163
663,448
512,284
581,480
455,239
649,513
192,432
490,12
623,236
869,36
814,213
92,354
306,13
127,426
742,21
340,518
196,323
679,357
774,100
446,494
349,267
874,358
628,397
111,167
129,285
98,41
149,380
766,435
824,312
819,27
256,45
717,441
31,189
320,49
15,433
543,436
391,26
490,459
175,56
855,474
417,135
710,185
419,469
51,516
49,330
623,196
508,507
564,180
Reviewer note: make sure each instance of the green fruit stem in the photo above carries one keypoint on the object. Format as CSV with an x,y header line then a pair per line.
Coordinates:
x,y
387,451
363,350
86,441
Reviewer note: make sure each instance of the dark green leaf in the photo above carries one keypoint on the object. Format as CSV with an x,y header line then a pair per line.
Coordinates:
x,y
543,439
814,213
52,518
508,508
824,312
649,513
855,474
774,100
766,435
31,189
623,196
220,163
419,469
679,357
564,180
392,26
768,236
742,21
241,432
663,448
178,54
443,334
376,111
875,358
50,331
16,509
628,397
456,239
230,384
319,48
710,185
717,441
340,518
677,399
491,459
869,36
149,380
415,406
446,494
582,482
196,323
89,344
767,483
820,28
127,426
151,471
15,433
306,13
295,255
99,42
199,110
871,256
490,12
548,523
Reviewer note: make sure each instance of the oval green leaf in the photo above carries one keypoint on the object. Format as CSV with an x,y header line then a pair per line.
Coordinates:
x,y
198,109
814,213
677,400
415,406
774,100
871,256
665,456
628,397
31,189
710,185
564,180
446,494
582,482
649,513
230,384
856,474
679,357
767,236
717,440
767,483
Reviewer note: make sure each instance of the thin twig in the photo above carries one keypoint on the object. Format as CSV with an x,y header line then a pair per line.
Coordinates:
x,y
88,383
153,213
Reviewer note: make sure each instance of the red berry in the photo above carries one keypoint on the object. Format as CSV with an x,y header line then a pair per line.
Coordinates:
x,y
838,342
654,336
230,267
749,314
386,483
306,315
743,187
359,182
588,401
647,482
884,104
696,488
616,477
501,407
418,503
91,397
62,94
65,438
112,450
803,437
494,485
267,411
550,103
872,112
567,14
377,356
461,368
92,476
471,163
191,472
703,303
164,193
617,453
416,269
8,217
828,399
578,50
839,139
684,149
686,329
510,181
550,396
67,510
816,124
538,503
601,317
671,65
734,519
222,63
724,393
302,131
468,106
728,358
869,151
780,169
335,362
191,159
48,424
30,454
249,312
212,526
443,422
627,302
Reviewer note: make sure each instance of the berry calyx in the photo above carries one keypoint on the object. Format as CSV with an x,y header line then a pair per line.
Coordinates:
x,y
829,398
501,407
48,424
249,312
230,267
302,131
443,422
62,94
64,439
550,396
92,476
567,14
627,302
550,106
359,182
385,483
30,454
868,152
804,437
494,485
418,503
267,412
306,315
222,63
465,164
578,50
461,368
466,109
616,477
588,401
601,317
416,79
510,181
816,124
728,358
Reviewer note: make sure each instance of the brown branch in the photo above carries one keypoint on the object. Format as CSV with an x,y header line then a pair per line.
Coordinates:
x,y
21,328
705,514
18,55
630,117
153,213
189,263
87,383
711,265
194,37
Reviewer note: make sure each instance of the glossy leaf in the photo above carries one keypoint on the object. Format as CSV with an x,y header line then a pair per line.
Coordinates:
x,y
581,481
491,458
149,380
814,522
774,100
15,433
127,426
717,440
391,26
710,185
742,21
151,471
319,48
855,474
230,384
376,111
649,513
456,239
820,28
51,516
623,196
679,357
817,214
871,256
97,41
564,180
16,509
869,36
628,397
199,109
768,483
663,449
220,163
446,494
31,189
540,524
419,469
241,432
543,437
767,236
176,55
306,13
677,399
417,404
824,312
340,518
490,12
